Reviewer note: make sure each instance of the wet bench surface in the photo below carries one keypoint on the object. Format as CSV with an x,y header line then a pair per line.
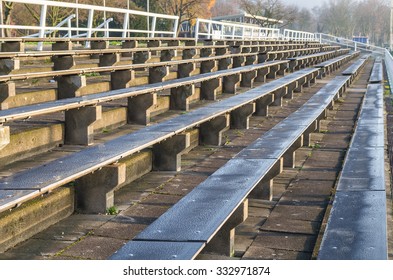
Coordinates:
x,y
199,216
356,228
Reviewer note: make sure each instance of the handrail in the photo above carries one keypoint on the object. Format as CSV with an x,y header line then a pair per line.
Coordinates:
x,y
217,30
67,20
91,9
296,35
389,69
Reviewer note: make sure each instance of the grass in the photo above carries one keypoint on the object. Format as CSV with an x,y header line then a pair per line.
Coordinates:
x,y
112,210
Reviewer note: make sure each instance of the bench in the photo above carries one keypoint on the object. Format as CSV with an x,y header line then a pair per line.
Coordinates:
x,y
211,120
295,63
205,218
356,228
356,67
333,64
377,72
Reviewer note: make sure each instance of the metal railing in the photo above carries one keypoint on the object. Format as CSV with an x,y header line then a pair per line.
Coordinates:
x,y
43,29
389,68
210,29
295,35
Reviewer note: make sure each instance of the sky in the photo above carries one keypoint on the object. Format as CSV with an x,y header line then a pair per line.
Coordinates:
x,y
305,3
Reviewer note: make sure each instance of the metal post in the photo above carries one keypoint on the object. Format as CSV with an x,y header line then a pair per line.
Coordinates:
x,y
69,28
1,18
148,18
125,24
77,19
391,26
41,33
175,27
153,27
210,30
89,27
196,29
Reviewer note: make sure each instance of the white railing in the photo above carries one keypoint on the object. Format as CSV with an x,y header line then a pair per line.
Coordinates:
x,y
91,10
295,35
348,43
209,29
389,69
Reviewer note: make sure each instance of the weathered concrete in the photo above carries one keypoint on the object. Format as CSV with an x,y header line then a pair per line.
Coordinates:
x,y
158,74
95,192
180,97
210,89
140,107
240,118
63,62
210,133
4,136
70,86
79,125
231,83
9,65
7,92
167,154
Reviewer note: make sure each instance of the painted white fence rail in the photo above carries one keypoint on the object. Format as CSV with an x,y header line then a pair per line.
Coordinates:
x,y
295,35
210,29
43,29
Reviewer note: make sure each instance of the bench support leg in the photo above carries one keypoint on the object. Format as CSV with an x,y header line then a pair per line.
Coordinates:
x,y
210,88
248,79
282,69
62,46
261,75
307,134
109,59
238,61
189,54
208,66
7,91
278,96
210,133
167,154
180,97
13,47
95,192
264,190
224,241
122,79
4,136
223,64
79,125
63,62
262,105
240,118
251,59
290,89
141,57
158,74
273,72
70,86
9,65
184,70
290,154
139,108
230,83
168,55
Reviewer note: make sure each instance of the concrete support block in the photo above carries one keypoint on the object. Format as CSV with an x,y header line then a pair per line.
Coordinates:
x,y
189,53
99,45
251,59
262,57
290,154
208,66
225,63
168,55
63,62
62,46
95,192
184,70
273,72
264,190
167,154
79,125
13,47
307,139
231,83
238,61
129,45
180,97
158,74
209,89
70,86
290,89
262,105
4,136
206,52
300,84
191,43
154,44
278,96
248,78
109,59
140,107
221,51
223,242
122,79
282,69
240,118
7,92
173,43
9,65
261,74
210,133
293,65
141,57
